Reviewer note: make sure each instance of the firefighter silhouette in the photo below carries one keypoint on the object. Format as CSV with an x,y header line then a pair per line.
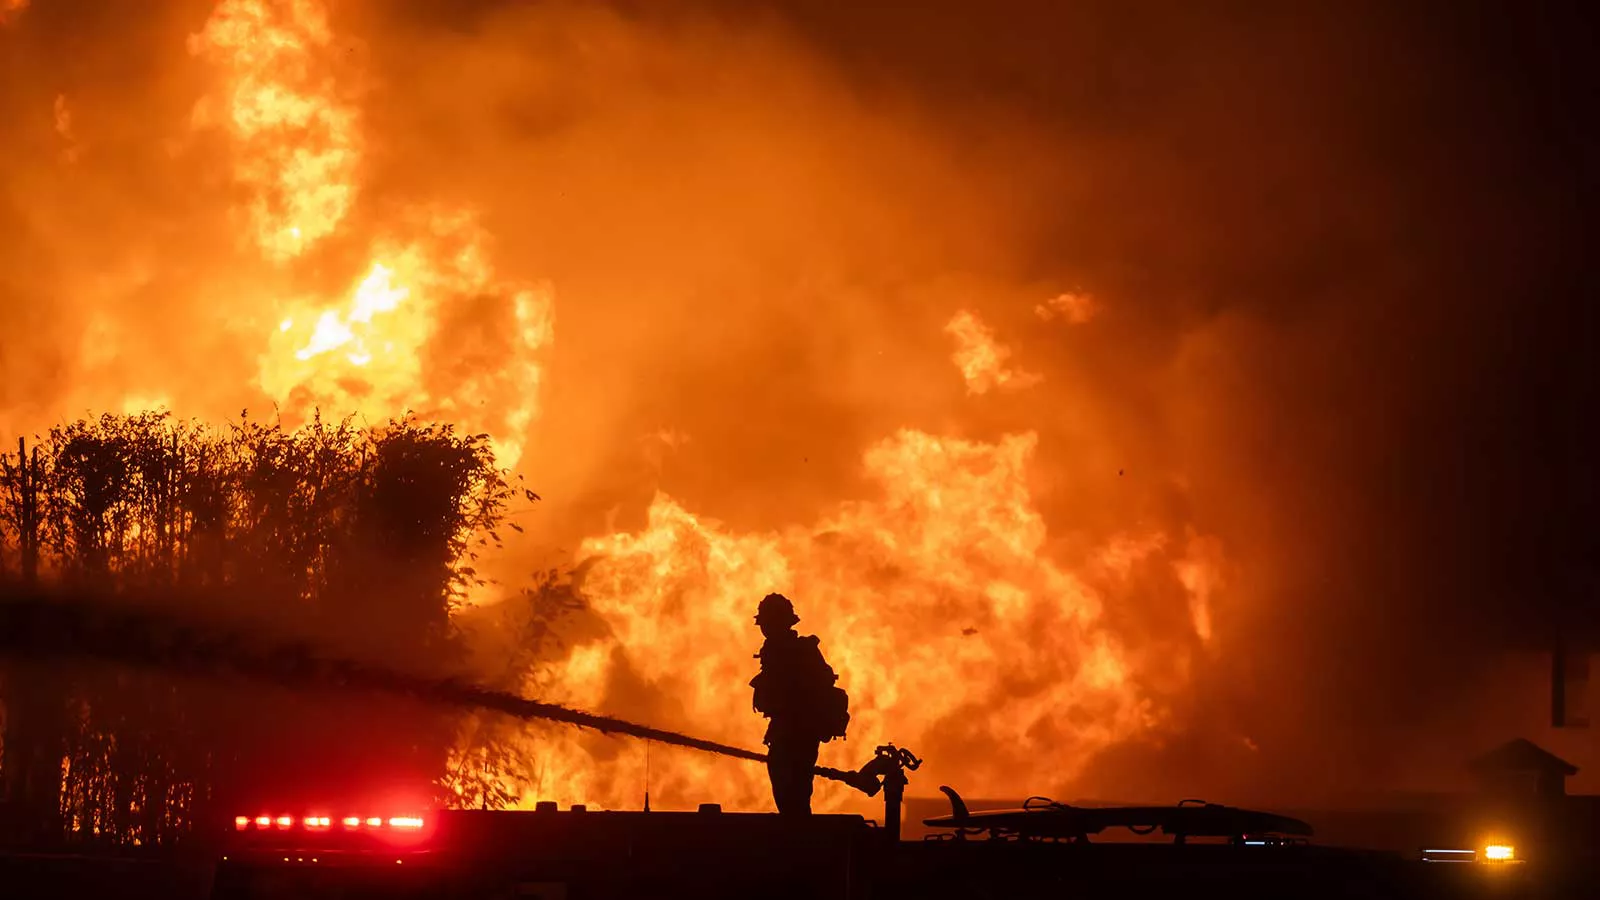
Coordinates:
x,y
795,689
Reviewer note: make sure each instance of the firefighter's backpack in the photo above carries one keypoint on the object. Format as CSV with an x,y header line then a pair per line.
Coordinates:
x,y
835,713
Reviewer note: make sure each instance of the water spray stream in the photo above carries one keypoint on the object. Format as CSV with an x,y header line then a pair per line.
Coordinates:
x,y
36,625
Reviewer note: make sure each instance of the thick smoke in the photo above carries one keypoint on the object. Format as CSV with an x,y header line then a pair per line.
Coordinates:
x,y
1316,255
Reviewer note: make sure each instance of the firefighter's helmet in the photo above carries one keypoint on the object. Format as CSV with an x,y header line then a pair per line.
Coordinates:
x,y
777,609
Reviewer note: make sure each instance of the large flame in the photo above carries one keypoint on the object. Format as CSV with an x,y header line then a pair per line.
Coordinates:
x,y
953,630
298,146
426,326
941,597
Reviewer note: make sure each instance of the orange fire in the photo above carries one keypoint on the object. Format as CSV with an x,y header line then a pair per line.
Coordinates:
x,y
427,326
954,632
941,597
297,145
981,359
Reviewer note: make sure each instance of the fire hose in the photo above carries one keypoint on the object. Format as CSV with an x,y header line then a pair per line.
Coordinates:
x,y
37,626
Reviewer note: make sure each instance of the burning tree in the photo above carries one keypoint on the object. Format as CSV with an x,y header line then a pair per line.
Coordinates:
x,y
356,538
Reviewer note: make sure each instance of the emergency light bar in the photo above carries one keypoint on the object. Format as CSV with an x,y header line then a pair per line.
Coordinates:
x,y
264,823
1500,853
1493,853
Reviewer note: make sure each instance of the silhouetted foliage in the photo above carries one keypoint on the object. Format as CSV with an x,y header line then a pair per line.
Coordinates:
x,y
358,538
518,640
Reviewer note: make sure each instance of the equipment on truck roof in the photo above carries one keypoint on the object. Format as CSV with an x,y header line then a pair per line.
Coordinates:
x,y
1043,818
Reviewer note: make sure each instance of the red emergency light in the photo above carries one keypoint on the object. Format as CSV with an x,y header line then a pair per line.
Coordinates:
x,y
261,823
